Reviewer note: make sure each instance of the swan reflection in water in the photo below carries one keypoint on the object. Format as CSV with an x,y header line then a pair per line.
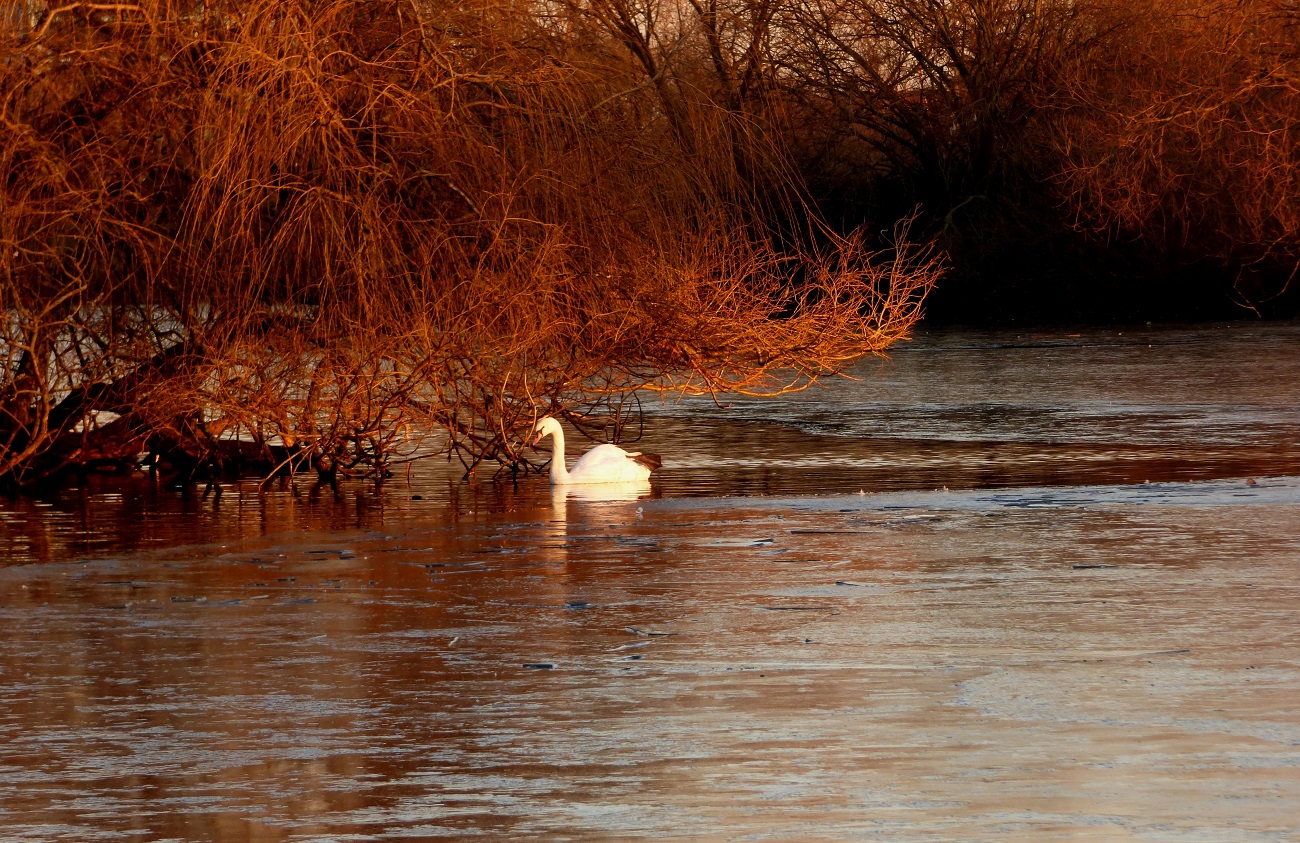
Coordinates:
x,y
605,482
600,492
602,501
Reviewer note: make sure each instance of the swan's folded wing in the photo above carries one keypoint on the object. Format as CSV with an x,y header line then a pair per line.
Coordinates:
x,y
607,463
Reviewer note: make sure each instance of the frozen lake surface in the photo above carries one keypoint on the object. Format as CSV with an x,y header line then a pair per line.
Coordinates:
x,y
1002,587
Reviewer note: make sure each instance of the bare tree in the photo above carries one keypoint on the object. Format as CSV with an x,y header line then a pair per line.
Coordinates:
x,y
940,94
1188,135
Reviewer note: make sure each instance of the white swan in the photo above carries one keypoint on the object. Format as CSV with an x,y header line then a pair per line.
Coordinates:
x,y
602,464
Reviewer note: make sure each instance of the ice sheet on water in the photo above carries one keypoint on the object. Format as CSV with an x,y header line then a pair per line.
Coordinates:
x,y
1210,385
1092,423
1237,491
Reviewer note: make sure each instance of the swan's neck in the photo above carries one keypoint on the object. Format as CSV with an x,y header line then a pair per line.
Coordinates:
x,y
559,472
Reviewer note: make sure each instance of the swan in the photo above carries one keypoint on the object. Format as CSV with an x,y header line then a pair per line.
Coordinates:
x,y
602,464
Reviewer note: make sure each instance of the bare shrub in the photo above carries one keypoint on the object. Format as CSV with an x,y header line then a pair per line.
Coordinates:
x,y
1187,134
340,234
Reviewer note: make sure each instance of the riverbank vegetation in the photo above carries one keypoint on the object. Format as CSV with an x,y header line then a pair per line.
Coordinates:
x,y
335,235
338,235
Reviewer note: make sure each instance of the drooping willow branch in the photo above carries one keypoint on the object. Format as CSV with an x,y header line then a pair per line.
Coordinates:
x,y
342,234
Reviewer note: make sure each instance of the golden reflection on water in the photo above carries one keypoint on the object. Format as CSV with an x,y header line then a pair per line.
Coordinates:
x,y
1016,663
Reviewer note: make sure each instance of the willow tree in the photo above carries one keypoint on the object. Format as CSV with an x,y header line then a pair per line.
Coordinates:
x,y
344,233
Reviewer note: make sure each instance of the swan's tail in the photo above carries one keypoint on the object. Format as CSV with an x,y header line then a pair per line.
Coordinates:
x,y
650,461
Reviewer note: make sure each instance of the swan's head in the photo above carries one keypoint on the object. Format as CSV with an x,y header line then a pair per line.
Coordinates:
x,y
544,428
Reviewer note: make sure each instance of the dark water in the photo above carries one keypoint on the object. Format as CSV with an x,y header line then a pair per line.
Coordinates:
x,y
977,410
798,635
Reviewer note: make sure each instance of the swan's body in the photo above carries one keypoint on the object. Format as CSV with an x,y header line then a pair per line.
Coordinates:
x,y
602,464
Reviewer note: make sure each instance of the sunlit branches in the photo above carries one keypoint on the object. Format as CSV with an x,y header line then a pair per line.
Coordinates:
x,y
338,235
1190,135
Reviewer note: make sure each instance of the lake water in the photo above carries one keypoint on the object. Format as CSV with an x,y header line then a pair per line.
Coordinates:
x,y
1002,586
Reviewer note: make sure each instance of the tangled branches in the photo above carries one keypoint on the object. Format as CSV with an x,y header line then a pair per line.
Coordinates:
x,y
339,234
1187,132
